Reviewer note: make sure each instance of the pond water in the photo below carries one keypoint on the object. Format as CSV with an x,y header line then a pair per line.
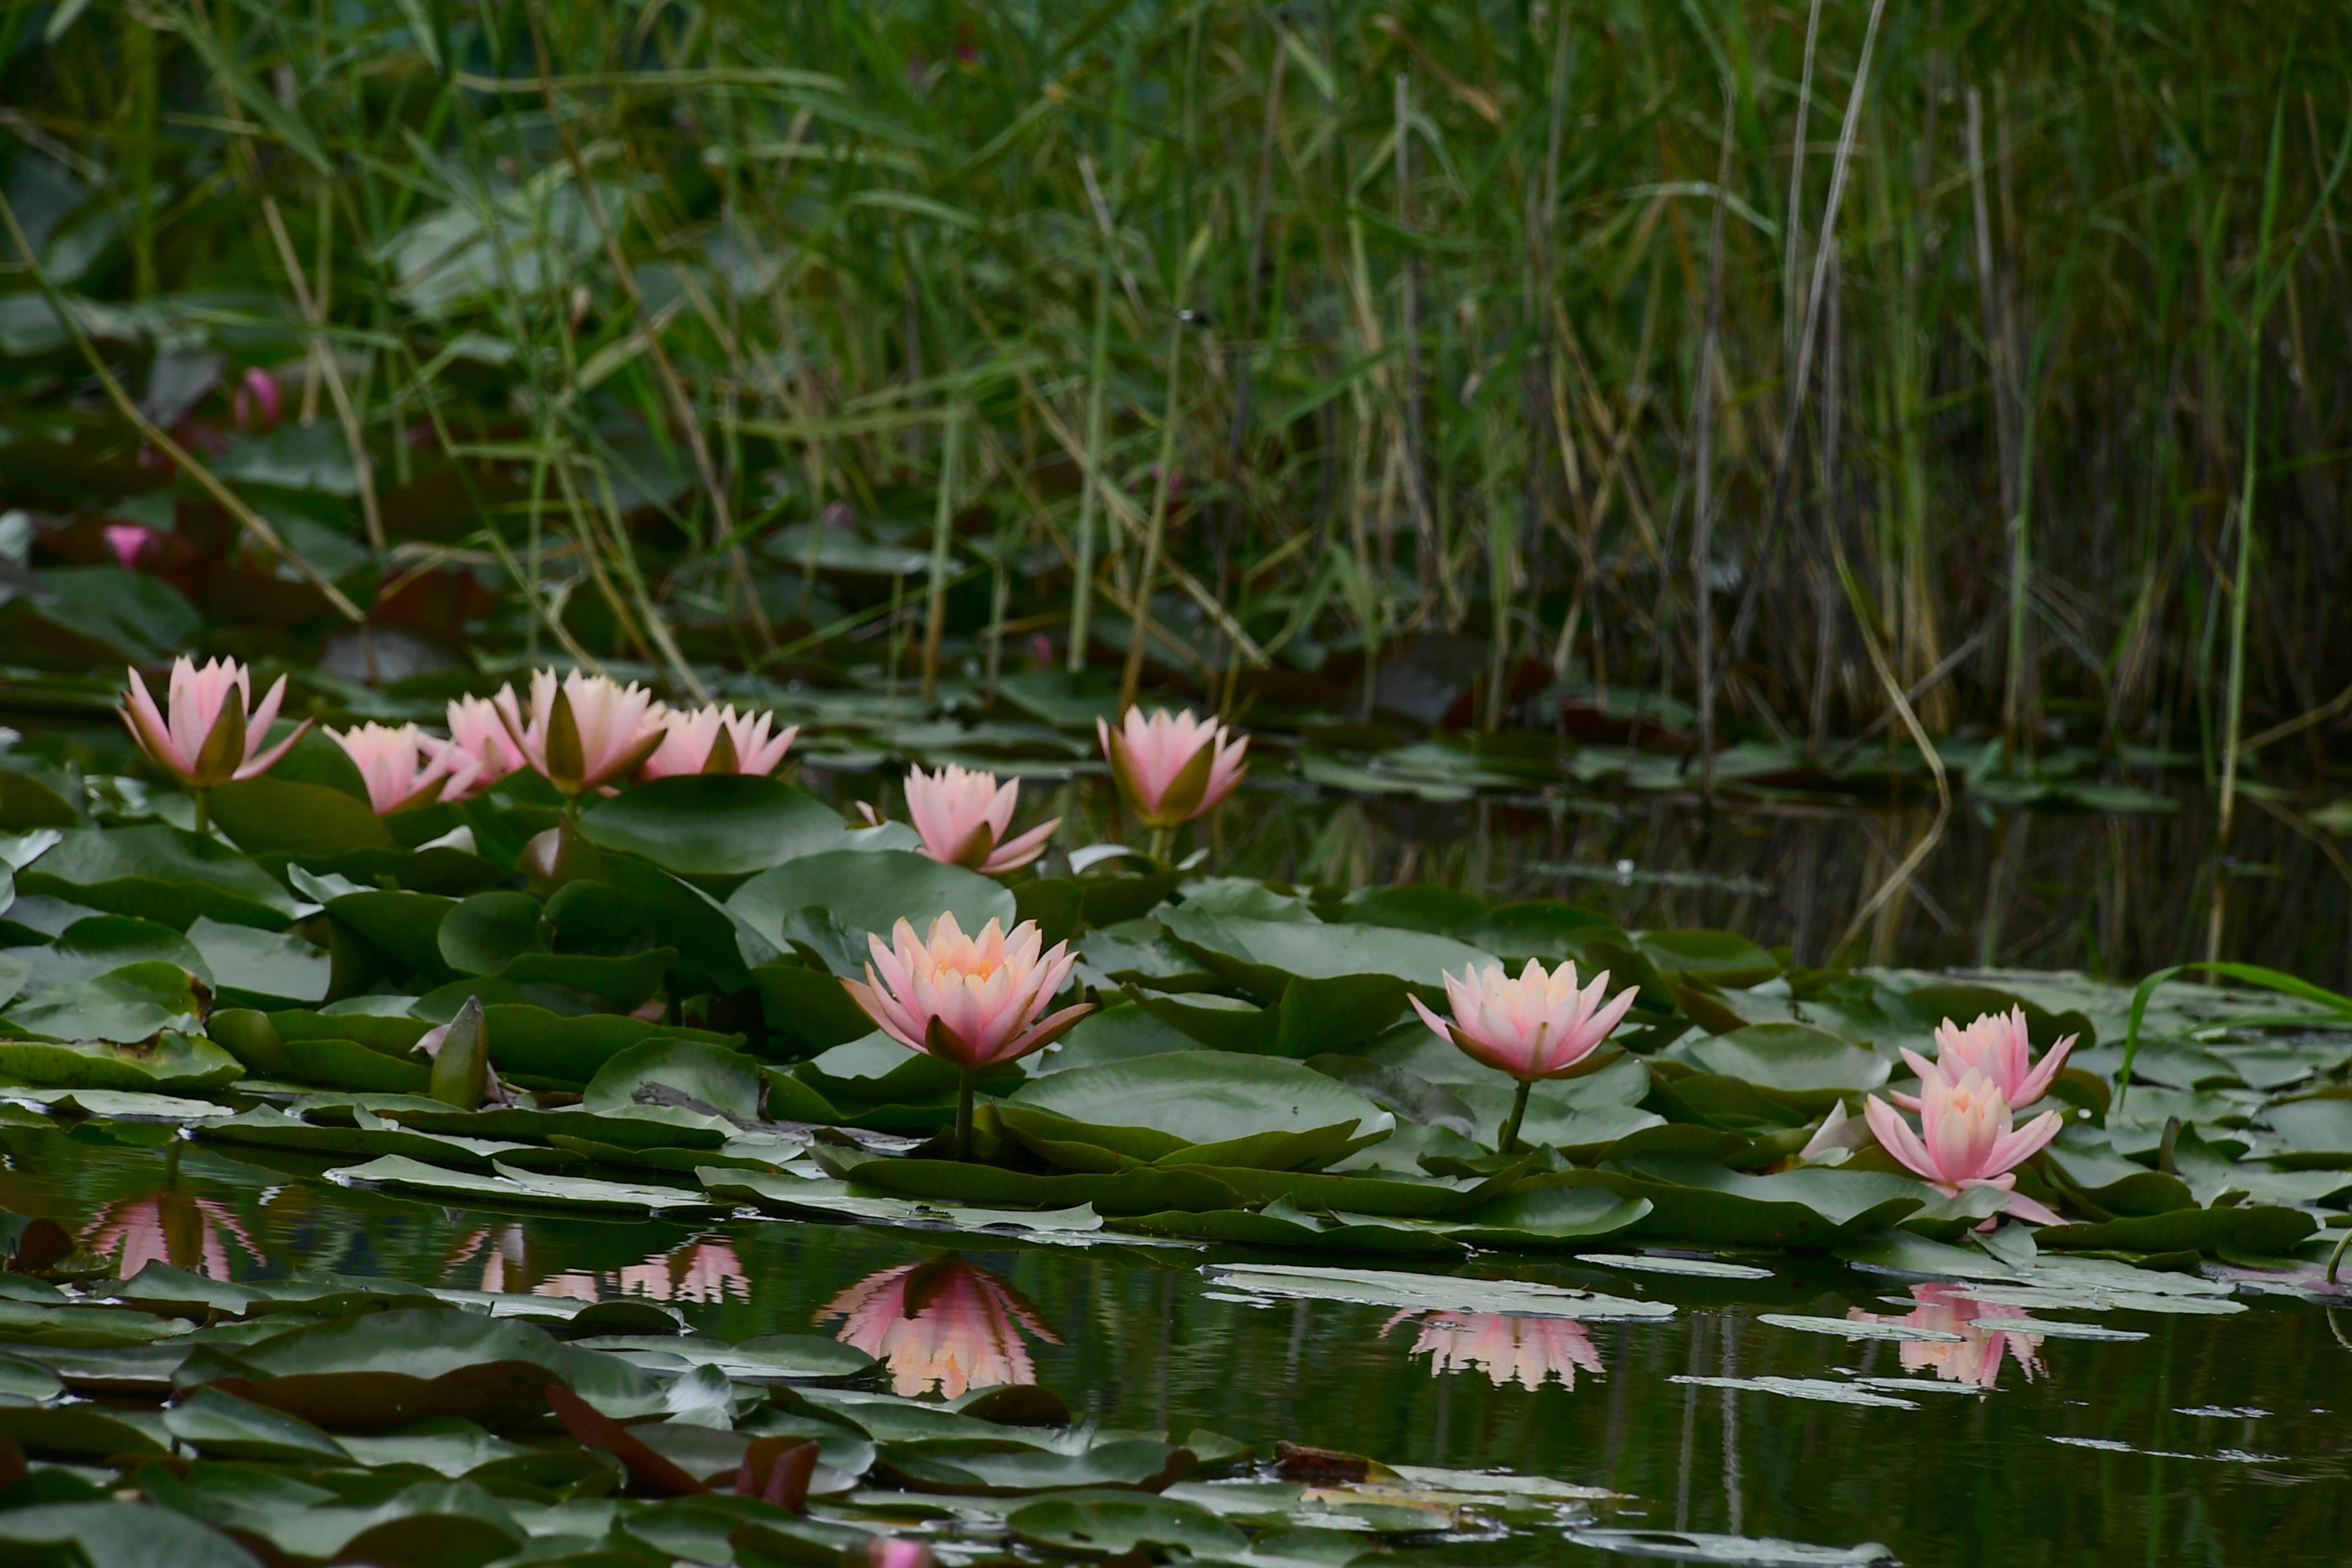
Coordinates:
x,y
2114,894
2213,1431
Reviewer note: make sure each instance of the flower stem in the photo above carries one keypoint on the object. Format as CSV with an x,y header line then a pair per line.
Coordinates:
x,y
1163,843
1509,1140
963,1113
203,816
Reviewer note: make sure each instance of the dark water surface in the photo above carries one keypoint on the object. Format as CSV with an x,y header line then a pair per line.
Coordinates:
x,y
2220,1437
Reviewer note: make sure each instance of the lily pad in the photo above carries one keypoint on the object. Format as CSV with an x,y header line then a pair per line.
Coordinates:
x,y
1432,1292
158,873
1201,1108
868,891
721,824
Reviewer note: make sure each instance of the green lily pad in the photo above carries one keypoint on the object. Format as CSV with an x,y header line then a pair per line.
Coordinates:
x,y
489,931
1699,1202
171,1062
1203,1108
1793,1058
131,1004
161,874
868,890
693,1075
1134,1192
1262,957
1136,1464
1548,1217
96,944
255,968
120,1535
1716,957
304,821
1432,1292
1283,1225
1112,1527
219,1425
2261,1231
714,826
510,1188
387,1369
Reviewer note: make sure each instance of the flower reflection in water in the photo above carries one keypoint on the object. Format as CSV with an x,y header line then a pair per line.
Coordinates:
x,y
170,1228
700,1272
942,1325
1526,1351
1977,1355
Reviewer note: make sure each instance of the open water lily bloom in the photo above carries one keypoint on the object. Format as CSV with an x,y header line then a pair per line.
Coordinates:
x,y
583,732
1171,767
715,740
962,817
1539,1026
476,728
1966,1138
1996,1046
209,730
403,766
976,1001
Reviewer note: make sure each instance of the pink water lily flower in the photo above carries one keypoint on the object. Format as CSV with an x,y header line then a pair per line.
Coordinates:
x,y
1966,1139
976,1001
1171,768
1539,1026
476,728
584,731
714,739
216,731
403,766
1997,1047
962,817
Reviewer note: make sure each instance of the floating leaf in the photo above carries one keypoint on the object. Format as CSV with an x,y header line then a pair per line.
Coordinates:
x,y
721,824
1201,1108
161,874
1112,1527
868,891
1683,1546
1432,1292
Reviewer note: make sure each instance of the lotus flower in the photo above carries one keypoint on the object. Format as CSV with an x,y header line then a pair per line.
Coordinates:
x,y
404,767
216,731
1530,1352
942,1325
1966,1139
170,1228
713,739
1995,1045
975,1001
1171,768
1537,1027
962,816
584,732
1976,1356
476,728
